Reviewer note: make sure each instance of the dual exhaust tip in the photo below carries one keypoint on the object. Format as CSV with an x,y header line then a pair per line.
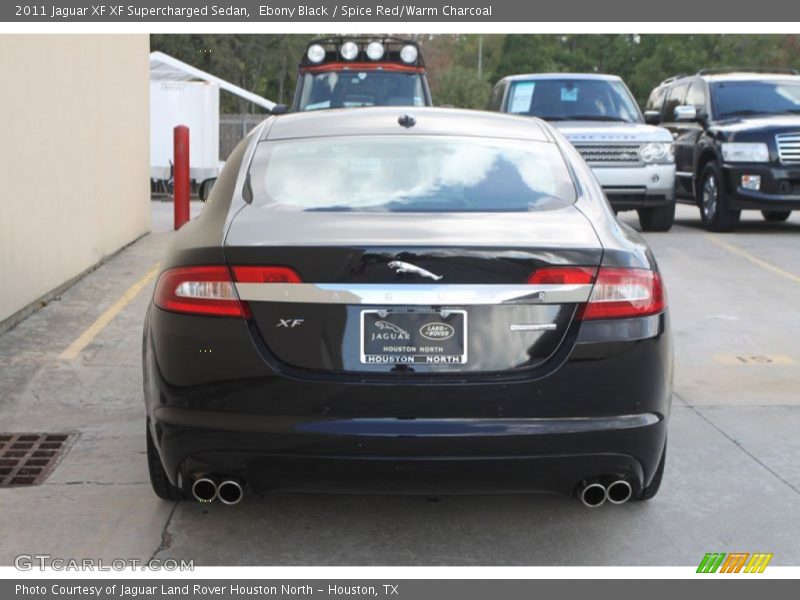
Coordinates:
x,y
594,493
591,493
228,491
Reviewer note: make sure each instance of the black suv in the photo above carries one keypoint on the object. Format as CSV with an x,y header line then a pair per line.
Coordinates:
x,y
737,141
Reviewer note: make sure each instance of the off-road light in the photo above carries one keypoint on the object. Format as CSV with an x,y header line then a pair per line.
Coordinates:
x,y
751,182
349,51
375,51
316,53
408,54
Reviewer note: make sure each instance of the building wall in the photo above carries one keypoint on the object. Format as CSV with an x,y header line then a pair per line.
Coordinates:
x,y
73,157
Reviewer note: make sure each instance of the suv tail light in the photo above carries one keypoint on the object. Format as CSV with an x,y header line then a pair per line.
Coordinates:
x,y
620,293
210,290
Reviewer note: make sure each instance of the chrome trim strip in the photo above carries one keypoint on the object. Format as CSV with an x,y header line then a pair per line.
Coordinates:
x,y
788,147
687,174
413,294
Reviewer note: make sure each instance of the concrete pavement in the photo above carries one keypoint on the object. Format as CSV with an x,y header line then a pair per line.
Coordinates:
x,y
733,472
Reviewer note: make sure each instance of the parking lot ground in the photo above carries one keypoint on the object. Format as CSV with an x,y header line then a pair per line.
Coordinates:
x,y
732,480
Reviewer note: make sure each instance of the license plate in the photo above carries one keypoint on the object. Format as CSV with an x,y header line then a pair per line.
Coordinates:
x,y
416,337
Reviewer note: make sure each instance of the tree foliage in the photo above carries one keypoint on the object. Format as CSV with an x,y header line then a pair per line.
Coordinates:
x,y
267,64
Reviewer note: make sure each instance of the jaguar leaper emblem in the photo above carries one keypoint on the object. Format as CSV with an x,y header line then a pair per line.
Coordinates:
x,y
405,267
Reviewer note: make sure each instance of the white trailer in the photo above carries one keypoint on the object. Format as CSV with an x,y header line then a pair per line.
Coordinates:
x,y
181,94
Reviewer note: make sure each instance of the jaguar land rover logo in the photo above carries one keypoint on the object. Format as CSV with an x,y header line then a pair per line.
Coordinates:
x,y
437,331
389,332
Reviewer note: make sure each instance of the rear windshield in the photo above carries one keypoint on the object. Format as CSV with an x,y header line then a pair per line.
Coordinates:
x,y
410,173
349,89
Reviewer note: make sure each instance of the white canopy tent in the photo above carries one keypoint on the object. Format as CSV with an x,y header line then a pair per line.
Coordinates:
x,y
181,94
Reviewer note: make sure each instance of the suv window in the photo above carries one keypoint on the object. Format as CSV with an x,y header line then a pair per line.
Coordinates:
x,y
696,96
346,88
496,98
574,99
674,99
656,100
733,98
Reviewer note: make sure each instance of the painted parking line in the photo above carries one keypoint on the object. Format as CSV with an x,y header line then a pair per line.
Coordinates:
x,y
754,259
753,359
95,328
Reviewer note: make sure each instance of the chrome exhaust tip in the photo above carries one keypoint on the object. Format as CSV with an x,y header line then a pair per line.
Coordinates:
x,y
619,492
204,490
230,492
592,494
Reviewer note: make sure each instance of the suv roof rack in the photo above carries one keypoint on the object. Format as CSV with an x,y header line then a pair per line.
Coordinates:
x,y
724,70
673,78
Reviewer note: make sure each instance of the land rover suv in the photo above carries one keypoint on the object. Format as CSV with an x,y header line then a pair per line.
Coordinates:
x,y
632,161
737,141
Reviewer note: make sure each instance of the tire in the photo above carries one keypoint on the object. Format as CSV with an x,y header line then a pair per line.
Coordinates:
x,y
776,216
712,198
651,490
158,476
659,218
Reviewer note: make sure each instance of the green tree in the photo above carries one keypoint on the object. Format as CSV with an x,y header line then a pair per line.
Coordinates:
x,y
461,87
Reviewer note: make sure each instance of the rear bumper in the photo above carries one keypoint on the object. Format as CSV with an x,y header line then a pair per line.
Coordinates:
x,y
410,455
603,411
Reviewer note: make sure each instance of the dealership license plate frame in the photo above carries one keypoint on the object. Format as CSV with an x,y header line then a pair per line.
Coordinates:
x,y
440,313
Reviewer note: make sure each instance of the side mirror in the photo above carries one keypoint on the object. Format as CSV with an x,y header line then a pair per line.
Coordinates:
x,y
204,191
686,113
279,109
652,117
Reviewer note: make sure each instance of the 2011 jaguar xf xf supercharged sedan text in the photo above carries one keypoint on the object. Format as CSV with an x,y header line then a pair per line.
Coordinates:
x,y
434,301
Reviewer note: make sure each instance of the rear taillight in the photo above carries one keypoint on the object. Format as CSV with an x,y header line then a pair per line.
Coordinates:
x,y
199,290
620,293
210,290
563,275
251,274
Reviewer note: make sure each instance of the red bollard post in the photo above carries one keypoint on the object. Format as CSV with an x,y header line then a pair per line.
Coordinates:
x,y
180,175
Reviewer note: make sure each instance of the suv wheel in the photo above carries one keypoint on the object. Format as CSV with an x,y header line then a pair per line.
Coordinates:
x,y
713,201
659,218
158,476
776,216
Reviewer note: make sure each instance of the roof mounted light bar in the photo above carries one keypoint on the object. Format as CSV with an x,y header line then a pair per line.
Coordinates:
x,y
362,50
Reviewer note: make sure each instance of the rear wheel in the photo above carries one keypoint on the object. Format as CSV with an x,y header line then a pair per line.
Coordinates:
x,y
651,490
713,201
659,218
776,216
158,476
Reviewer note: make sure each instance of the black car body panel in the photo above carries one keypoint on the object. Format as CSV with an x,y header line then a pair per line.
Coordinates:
x,y
294,408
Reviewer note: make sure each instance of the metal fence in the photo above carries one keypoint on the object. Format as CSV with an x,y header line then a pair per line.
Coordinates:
x,y
232,128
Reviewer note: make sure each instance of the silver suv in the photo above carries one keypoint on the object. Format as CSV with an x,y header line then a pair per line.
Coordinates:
x,y
633,161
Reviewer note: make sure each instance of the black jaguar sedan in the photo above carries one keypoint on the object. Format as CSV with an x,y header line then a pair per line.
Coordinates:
x,y
407,300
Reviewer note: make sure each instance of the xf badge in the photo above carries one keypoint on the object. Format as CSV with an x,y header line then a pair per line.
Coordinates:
x,y
289,323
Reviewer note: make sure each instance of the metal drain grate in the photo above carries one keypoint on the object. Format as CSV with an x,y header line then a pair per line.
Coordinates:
x,y
28,458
